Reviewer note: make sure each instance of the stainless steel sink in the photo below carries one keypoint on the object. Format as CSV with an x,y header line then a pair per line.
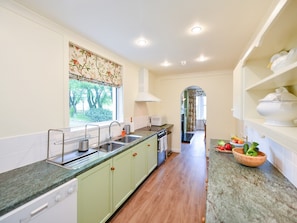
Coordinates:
x,y
76,159
128,138
110,146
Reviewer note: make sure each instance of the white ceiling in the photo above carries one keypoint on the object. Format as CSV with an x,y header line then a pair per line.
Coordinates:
x,y
228,26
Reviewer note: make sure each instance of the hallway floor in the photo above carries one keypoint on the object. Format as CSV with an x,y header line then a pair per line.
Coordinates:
x,y
175,192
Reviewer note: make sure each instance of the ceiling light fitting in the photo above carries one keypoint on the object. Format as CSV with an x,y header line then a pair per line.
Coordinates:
x,y
196,29
142,42
165,64
202,58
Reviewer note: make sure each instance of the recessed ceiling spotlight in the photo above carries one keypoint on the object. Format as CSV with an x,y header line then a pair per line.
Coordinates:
x,y
196,29
202,58
142,42
183,62
165,64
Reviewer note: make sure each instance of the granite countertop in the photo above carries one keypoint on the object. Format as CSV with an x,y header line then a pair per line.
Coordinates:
x,y
237,193
21,185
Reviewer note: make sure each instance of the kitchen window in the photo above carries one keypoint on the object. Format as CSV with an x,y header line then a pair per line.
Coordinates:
x,y
95,88
201,107
90,102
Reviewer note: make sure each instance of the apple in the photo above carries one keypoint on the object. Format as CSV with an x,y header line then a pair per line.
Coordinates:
x,y
228,146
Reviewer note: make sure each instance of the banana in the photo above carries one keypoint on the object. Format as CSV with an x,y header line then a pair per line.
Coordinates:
x,y
237,139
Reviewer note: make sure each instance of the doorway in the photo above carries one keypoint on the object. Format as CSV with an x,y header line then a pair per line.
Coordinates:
x,y
193,113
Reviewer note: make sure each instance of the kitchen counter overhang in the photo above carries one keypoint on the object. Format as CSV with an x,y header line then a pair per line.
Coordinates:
x,y
237,193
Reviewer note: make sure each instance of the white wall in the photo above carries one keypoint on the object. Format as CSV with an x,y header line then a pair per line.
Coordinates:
x,y
218,89
34,83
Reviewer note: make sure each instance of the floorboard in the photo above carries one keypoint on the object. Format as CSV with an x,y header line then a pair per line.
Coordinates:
x,y
174,193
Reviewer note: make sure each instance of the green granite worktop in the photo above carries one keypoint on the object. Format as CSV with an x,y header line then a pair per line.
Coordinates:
x,y
21,185
237,193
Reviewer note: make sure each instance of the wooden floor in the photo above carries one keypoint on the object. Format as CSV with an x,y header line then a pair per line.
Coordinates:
x,y
174,193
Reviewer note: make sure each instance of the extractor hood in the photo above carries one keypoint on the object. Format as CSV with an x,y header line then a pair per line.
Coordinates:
x,y
143,92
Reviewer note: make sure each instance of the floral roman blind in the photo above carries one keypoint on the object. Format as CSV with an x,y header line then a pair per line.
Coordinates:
x,y
87,66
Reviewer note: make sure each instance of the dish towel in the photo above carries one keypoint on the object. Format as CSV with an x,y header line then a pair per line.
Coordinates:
x,y
163,144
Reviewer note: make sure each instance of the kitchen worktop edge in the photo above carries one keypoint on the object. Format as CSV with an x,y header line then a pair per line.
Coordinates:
x,y
24,184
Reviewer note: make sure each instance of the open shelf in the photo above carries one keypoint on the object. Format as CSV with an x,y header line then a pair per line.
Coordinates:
x,y
284,77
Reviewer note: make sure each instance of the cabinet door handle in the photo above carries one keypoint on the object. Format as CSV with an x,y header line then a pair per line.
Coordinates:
x,y
134,154
112,168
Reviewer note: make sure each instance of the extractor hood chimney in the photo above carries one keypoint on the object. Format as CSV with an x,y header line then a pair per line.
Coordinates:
x,y
143,93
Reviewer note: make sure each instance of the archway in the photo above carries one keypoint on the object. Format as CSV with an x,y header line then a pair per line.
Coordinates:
x,y
193,112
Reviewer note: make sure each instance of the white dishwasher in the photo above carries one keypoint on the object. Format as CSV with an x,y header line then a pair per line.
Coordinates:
x,y
56,206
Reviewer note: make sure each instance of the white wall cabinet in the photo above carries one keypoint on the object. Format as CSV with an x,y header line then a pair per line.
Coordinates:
x,y
277,34
237,92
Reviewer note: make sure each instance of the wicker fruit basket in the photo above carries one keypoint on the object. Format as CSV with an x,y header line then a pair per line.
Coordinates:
x,y
251,161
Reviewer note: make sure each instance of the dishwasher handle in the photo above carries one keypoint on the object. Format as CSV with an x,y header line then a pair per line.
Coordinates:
x,y
33,213
39,209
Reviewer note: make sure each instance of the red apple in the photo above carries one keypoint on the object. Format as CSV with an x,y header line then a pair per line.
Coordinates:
x,y
228,146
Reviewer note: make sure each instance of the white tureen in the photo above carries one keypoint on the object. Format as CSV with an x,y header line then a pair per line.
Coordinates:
x,y
279,108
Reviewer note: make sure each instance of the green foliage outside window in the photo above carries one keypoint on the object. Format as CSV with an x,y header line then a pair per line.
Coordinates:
x,y
89,102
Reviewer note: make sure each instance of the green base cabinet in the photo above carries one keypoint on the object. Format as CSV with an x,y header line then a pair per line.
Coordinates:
x,y
104,188
122,178
139,164
95,194
144,160
152,152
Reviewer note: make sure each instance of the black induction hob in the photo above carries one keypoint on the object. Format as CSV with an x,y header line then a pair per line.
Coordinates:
x,y
153,128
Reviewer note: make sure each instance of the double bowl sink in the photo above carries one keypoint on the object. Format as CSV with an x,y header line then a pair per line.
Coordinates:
x,y
80,159
117,143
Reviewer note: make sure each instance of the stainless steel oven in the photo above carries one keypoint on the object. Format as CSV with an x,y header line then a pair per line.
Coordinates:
x,y
162,146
